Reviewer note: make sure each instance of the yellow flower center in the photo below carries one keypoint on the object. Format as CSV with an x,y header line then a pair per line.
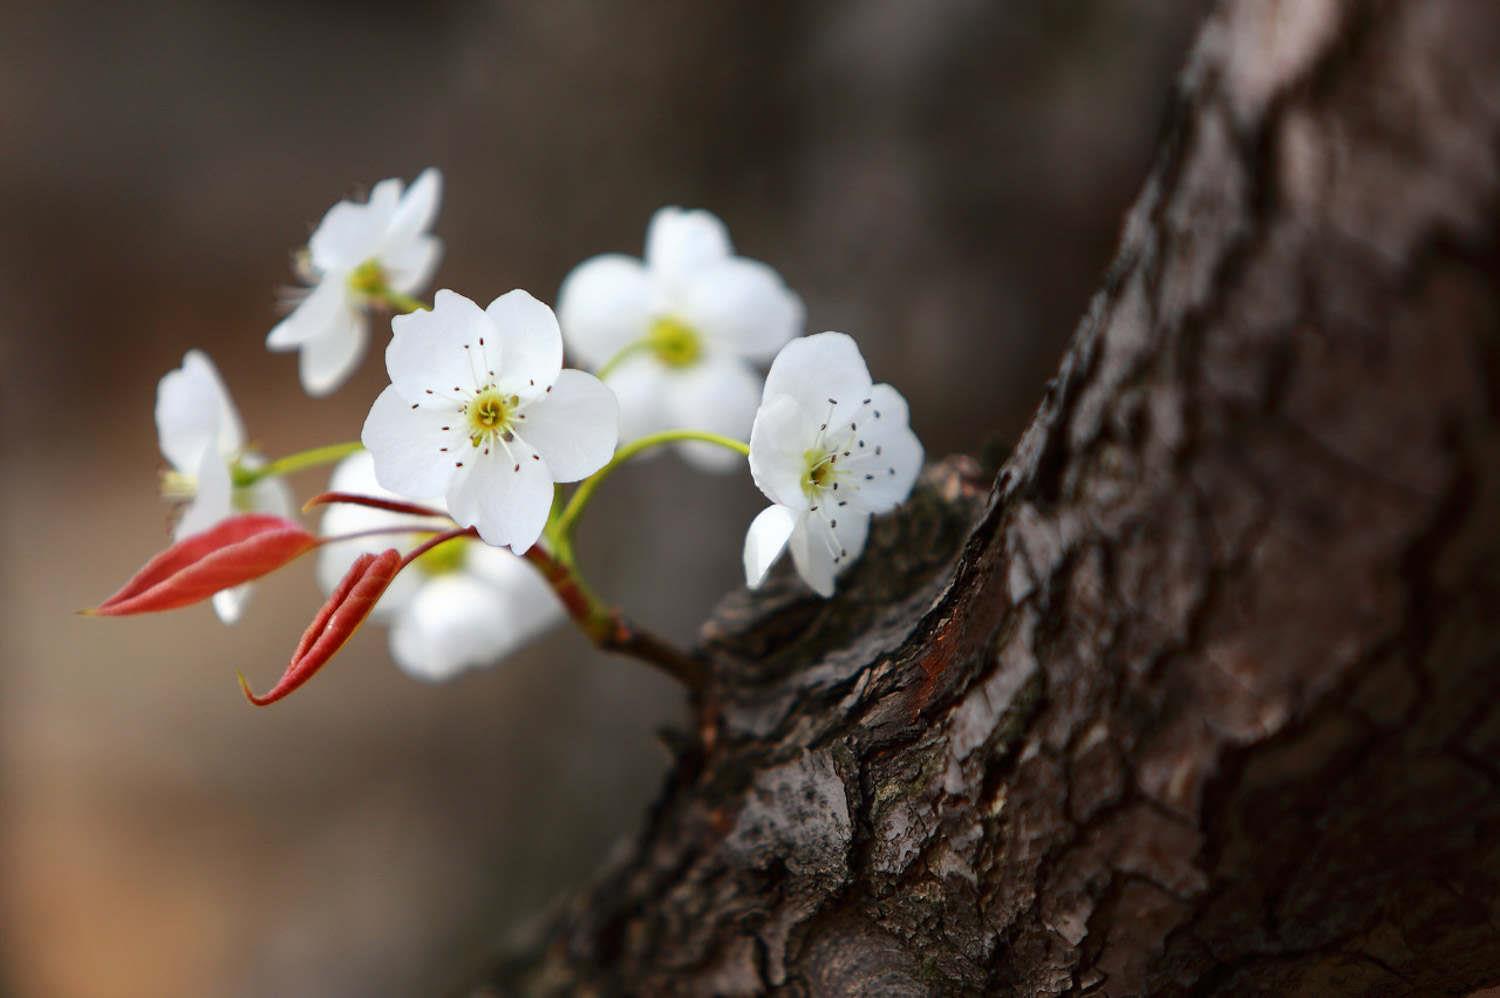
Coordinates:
x,y
675,343
367,279
819,473
445,559
489,416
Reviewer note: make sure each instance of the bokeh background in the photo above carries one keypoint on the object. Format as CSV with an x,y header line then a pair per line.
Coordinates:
x,y
943,179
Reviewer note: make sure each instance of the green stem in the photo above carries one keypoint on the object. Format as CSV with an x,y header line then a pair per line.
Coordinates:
x,y
311,458
398,302
562,528
626,352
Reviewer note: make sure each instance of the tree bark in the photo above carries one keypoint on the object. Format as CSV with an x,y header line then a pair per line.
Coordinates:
x,y
1200,692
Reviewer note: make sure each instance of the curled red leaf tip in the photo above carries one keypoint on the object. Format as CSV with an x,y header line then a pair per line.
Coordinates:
x,y
234,551
356,595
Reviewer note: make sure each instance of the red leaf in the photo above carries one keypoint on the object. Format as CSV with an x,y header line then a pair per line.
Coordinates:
x,y
237,550
339,618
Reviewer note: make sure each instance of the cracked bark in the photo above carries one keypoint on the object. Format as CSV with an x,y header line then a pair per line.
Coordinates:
x,y
1200,693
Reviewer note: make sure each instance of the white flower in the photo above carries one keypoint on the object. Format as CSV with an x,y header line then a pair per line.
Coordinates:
x,y
828,449
697,320
357,251
462,605
479,411
202,438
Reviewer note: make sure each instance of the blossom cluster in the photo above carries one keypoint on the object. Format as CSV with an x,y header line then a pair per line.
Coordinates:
x,y
465,453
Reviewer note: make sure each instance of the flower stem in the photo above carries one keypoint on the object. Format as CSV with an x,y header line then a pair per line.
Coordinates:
x,y
398,302
626,352
562,528
312,458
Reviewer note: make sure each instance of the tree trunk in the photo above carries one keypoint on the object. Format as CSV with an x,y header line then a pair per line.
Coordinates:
x,y
1201,692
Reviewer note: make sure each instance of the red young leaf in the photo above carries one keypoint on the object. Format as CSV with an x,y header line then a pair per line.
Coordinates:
x,y
237,550
339,618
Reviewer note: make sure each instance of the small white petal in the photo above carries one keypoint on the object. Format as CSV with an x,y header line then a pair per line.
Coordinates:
x,y
574,427
214,500
417,208
765,540
409,266
782,434
326,361
531,605
506,498
325,306
719,395
438,352
641,385
531,344
822,550
348,235
229,604
269,495
385,198
742,305
894,470
405,445
193,411
604,305
815,369
452,622
679,242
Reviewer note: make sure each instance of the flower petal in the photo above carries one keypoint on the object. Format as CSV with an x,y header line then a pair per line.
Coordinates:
x,y
325,307
416,210
229,604
405,444
432,352
778,445
507,500
214,500
604,305
765,540
641,386
744,306
823,545
531,344
815,369
679,242
895,468
465,620
719,395
326,361
193,412
575,427
409,267
356,474
348,235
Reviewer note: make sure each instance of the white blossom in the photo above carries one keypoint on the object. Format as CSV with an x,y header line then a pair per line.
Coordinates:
x,y
480,412
828,449
696,320
202,439
462,605
356,252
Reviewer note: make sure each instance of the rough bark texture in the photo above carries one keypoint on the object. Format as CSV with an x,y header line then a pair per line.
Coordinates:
x,y
1200,693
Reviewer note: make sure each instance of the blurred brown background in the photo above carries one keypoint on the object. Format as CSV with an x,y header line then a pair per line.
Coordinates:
x,y
942,179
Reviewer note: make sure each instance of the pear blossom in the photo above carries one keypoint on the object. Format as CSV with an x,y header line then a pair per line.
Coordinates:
x,y
689,323
202,439
358,253
480,412
462,605
828,448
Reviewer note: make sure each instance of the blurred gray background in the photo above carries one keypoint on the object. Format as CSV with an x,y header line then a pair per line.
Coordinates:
x,y
944,180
